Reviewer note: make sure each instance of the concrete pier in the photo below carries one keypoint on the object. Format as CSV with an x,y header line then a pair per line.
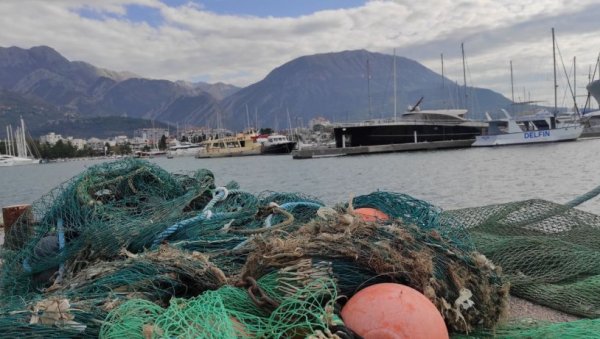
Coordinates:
x,y
420,146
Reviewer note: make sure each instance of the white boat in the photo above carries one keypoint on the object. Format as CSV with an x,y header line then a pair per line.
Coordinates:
x,y
182,149
541,127
17,149
530,129
11,160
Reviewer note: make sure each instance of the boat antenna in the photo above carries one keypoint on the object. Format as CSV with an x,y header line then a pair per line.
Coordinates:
x,y
462,47
554,65
395,81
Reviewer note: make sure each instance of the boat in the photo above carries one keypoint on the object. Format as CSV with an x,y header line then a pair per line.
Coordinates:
x,y
17,149
541,127
413,126
276,144
242,144
591,117
182,149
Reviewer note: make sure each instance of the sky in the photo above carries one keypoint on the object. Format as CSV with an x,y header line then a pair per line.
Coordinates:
x,y
240,41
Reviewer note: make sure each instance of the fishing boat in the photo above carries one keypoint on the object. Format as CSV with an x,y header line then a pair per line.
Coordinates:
x,y
17,149
541,127
276,144
242,144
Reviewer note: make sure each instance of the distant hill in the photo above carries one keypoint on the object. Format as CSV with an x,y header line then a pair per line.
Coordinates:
x,y
42,85
335,85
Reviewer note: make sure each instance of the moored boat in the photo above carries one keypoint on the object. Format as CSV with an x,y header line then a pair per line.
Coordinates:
x,y
276,144
541,127
242,144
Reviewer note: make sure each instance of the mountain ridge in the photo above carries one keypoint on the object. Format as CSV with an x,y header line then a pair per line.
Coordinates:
x,y
341,86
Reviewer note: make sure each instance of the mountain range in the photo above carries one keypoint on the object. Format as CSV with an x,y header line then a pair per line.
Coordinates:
x,y
52,93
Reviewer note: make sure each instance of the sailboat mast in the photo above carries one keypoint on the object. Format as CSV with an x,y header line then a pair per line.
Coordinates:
x,y
24,139
247,117
575,81
369,85
462,48
554,65
443,80
395,81
512,89
512,83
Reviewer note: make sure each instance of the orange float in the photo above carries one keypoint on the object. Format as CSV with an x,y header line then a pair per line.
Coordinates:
x,y
370,214
393,311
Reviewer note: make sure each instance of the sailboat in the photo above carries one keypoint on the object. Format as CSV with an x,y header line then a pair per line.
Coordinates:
x,y
541,127
17,150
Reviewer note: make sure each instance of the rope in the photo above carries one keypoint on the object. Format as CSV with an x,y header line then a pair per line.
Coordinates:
x,y
584,197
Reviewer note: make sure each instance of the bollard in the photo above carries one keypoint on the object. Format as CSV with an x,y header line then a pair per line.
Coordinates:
x,y
16,234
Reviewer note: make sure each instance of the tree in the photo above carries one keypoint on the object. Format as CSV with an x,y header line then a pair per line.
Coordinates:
x,y
184,138
162,144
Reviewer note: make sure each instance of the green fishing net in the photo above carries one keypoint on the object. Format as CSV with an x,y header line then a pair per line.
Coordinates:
x,y
126,249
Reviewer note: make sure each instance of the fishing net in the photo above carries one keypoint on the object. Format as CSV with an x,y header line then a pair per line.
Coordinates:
x,y
527,329
126,249
549,252
231,312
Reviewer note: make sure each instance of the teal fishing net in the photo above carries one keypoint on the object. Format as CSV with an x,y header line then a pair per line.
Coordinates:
x,y
128,249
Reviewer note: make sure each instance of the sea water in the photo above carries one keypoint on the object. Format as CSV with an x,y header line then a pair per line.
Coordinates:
x,y
447,178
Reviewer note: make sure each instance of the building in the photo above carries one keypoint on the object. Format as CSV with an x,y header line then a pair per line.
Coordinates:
x,y
151,136
51,138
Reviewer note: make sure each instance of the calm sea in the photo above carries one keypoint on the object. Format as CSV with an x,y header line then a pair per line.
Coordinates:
x,y
450,178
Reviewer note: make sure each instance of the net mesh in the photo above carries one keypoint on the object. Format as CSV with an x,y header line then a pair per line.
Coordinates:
x,y
549,252
126,249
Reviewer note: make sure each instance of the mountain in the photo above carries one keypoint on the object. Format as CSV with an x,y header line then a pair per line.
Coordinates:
x,y
42,85
335,85
78,90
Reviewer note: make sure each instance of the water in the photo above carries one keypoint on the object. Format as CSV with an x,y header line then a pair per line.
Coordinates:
x,y
450,178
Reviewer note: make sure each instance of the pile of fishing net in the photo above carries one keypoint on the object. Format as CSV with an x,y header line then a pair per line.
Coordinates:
x,y
549,252
126,249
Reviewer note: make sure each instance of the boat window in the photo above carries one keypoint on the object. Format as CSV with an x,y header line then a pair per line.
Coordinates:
x,y
541,124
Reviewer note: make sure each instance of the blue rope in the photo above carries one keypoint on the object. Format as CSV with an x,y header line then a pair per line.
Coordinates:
x,y
584,197
219,194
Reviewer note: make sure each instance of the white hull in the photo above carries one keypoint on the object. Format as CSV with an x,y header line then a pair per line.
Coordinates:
x,y
530,137
7,160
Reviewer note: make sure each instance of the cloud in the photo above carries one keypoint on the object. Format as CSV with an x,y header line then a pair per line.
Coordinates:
x,y
192,43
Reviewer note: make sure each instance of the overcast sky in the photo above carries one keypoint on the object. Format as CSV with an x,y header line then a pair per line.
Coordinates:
x,y
240,41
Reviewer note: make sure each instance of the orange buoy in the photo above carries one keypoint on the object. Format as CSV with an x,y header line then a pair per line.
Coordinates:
x,y
370,214
393,311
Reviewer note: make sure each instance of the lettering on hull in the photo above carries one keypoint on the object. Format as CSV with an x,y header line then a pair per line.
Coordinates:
x,y
536,134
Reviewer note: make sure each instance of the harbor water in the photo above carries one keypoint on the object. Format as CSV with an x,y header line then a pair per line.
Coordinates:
x,y
450,178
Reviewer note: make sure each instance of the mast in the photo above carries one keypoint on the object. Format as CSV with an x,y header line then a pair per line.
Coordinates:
x,y
247,117
443,80
24,140
369,85
512,89
395,80
575,81
462,47
554,65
